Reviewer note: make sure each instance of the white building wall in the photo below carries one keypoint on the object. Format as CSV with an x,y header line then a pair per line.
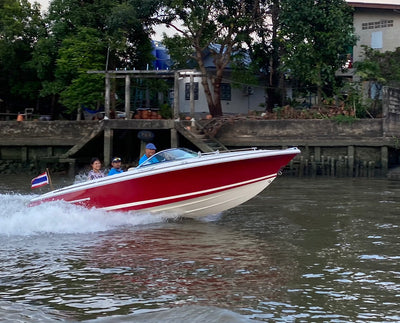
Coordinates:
x,y
240,102
380,35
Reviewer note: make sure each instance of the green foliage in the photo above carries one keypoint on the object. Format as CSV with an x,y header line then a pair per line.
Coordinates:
x,y
77,55
128,36
166,111
316,36
379,69
49,56
85,90
351,97
20,27
344,119
181,50
396,142
243,75
91,35
209,29
383,68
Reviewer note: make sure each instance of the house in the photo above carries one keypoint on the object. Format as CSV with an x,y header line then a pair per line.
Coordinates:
x,y
234,99
377,24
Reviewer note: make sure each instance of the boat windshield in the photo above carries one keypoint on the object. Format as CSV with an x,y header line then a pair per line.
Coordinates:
x,y
169,155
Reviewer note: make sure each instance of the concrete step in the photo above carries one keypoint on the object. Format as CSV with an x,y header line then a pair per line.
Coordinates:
x,y
202,141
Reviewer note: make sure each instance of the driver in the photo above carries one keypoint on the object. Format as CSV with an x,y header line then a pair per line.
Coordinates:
x,y
150,150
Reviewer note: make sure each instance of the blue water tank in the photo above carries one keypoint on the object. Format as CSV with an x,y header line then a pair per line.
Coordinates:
x,y
163,60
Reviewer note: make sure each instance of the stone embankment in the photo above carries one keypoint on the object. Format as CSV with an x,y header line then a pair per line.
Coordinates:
x,y
328,148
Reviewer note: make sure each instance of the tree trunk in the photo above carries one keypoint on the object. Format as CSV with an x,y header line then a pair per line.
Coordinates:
x,y
319,95
274,91
213,101
319,86
217,93
207,92
79,113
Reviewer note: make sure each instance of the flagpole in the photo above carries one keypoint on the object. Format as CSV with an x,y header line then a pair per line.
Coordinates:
x,y
50,182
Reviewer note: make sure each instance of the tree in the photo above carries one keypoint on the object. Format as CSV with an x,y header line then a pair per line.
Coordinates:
x,y
316,35
77,55
378,69
265,50
117,33
383,68
219,28
20,26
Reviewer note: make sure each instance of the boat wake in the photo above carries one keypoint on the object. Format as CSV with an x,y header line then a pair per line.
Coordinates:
x,y
16,218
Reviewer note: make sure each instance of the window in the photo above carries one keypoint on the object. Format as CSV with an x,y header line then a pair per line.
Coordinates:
x,y
377,24
225,91
376,40
195,90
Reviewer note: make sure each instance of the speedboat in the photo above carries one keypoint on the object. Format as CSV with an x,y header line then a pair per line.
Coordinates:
x,y
179,182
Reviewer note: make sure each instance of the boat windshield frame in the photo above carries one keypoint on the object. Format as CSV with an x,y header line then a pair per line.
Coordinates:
x,y
169,155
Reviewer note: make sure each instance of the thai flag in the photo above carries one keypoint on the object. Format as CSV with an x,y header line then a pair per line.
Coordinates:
x,y
40,180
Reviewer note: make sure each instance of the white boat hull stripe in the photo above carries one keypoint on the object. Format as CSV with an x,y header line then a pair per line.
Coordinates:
x,y
208,191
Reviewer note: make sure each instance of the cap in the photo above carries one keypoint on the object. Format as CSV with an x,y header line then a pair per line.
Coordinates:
x,y
151,146
116,160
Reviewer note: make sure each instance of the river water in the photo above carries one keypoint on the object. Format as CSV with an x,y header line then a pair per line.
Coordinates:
x,y
305,250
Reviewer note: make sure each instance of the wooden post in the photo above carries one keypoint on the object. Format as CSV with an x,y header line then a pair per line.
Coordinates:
x,y
365,168
313,166
371,168
107,95
147,94
127,96
306,162
174,138
306,151
384,160
176,95
108,145
350,154
79,114
301,167
317,153
192,95
71,168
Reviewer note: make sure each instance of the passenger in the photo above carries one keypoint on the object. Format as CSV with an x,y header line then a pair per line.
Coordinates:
x,y
116,166
95,172
149,151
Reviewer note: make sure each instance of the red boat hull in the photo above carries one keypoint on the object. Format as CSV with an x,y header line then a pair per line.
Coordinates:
x,y
189,189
